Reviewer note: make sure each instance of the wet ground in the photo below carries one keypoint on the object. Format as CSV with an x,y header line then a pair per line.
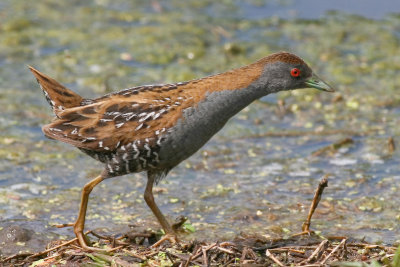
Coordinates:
x,y
259,173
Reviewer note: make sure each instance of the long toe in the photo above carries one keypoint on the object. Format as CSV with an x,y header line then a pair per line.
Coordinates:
x,y
173,239
93,249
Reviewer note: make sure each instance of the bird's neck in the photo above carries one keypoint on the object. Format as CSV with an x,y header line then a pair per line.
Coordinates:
x,y
236,79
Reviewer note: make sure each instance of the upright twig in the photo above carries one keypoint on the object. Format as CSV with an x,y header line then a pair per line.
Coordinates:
x,y
317,197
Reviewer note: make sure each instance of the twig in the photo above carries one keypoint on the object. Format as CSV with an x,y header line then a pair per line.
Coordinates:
x,y
188,261
226,244
333,147
333,251
269,255
319,250
134,254
116,248
169,255
62,225
197,252
205,258
200,251
111,259
228,262
317,197
226,250
244,254
54,248
16,256
296,251
211,246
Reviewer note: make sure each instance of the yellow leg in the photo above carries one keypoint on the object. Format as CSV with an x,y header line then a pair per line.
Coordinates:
x,y
170,234
80,221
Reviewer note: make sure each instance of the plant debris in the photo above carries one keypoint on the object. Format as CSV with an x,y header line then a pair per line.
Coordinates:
x,y
135,249
305,250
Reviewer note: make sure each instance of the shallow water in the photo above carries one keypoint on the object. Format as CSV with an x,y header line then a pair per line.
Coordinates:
x,y
260,172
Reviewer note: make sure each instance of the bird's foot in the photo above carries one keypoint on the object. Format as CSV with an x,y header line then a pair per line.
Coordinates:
x,y
82,240
172,238
94,249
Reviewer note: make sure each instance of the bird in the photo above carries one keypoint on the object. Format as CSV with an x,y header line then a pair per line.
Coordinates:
x,y
152,128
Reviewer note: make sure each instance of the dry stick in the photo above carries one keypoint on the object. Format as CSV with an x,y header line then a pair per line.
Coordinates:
x,y
333,251
62,225
134,254
116,248
111,259
16,256
197,253
226,250
229,262
51,257
370,246
296,251
334,147
317,197
251,254
200,250
320,248
185,258
205,258
244,254
269,255
227,244
169,255
188,261
56,247
193,256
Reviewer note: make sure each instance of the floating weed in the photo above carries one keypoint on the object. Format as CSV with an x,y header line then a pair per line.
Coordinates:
x,y
189,227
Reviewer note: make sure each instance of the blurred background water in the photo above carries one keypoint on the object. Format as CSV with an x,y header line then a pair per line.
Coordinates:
x,y
259,173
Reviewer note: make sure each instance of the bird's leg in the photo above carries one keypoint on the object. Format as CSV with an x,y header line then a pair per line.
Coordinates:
x,y
170,234
80,221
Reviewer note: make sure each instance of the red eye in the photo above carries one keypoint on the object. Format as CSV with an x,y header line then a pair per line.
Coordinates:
x,y
295,72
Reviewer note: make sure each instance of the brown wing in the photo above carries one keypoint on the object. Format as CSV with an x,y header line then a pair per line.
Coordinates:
x,y
140,113
105,125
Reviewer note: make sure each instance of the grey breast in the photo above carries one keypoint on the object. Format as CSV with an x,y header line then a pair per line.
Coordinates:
x,y
198,124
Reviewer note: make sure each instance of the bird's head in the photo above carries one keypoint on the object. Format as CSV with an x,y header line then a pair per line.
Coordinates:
x,y
285,71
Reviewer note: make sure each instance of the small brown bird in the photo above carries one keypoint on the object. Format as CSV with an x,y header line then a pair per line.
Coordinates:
x,y
153,128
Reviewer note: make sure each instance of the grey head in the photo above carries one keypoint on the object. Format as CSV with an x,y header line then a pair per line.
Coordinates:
x,y
285,71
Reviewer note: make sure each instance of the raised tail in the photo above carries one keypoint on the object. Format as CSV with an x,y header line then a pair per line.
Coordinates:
x,y
58,96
